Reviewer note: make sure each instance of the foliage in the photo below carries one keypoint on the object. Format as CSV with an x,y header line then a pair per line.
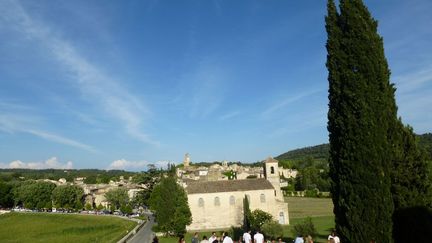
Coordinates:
x,y
117,197
126,209
304,228
88,207
425,143
68,195
410,183
33,194
231,175
246,214
258,217
318,152
272,229
413,221
362,112
6,199
102,176
169,202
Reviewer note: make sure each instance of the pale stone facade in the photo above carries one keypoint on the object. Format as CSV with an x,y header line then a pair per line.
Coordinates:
x,y
219,204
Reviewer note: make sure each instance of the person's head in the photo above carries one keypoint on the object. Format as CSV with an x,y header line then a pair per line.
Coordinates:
x,y
181,239
225,233
204,237
249,231
333,233
196,235
280,239
214,233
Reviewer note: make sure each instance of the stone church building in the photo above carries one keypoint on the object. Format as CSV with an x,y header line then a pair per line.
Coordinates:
x,y
219,204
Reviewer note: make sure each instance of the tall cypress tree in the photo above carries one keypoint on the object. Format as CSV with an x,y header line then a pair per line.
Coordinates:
x,y
411,186
361,112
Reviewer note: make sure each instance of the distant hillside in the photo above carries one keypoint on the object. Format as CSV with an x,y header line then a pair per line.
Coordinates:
x,y
318,152
321,152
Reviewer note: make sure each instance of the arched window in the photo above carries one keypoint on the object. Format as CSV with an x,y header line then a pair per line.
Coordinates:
x,y
281,218
262,198
200,202
216,201
272,170
232,200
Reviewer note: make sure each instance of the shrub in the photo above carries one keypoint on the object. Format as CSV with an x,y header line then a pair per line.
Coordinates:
x,y
272,229
304,228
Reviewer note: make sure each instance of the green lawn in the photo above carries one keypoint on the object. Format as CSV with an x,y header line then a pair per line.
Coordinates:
x,y
319,209
301,207
45,227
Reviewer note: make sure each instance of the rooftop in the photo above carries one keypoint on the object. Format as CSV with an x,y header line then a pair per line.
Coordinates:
x,y
228,186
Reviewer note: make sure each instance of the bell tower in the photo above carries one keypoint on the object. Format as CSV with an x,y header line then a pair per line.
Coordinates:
x,y
271,173
186,160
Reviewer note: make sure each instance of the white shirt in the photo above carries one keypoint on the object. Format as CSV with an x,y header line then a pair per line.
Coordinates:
x,y
299,240
227,239
259,238
336,239
212,238
247,238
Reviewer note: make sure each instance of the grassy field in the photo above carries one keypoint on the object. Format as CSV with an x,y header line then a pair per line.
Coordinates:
x,y
319,209
41,227
301,207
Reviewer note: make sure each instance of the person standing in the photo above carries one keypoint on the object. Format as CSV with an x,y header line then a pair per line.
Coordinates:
x,y
258,237
195,238
333,236
213,237
226,238
299,239
247,238
204,240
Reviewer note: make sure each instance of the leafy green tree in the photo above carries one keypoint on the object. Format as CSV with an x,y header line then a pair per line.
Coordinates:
x,y
272,229
6,196
34,194
258,218
305,227
362,111
88,207
126,209
169,202
117,197
100,207
79,205
67,194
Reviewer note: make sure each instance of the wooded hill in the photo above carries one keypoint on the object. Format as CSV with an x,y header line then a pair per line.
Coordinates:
x,y
320,152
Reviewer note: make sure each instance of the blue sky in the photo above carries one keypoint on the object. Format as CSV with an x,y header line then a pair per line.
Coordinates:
x,y
121,84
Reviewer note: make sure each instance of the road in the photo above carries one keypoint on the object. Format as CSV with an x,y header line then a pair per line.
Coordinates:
x,y
145,234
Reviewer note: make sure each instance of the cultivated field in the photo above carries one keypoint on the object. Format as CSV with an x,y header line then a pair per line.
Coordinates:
x,y
41,227
319,209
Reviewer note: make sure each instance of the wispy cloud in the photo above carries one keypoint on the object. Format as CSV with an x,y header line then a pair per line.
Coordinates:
x,y
287,101
51,163
229,115
12,123
413,81
94,84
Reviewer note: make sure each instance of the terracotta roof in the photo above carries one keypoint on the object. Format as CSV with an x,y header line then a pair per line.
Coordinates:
x,y
270,160
228,186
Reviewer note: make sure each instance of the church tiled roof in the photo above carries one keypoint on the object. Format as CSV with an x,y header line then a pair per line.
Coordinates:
x,y
228,186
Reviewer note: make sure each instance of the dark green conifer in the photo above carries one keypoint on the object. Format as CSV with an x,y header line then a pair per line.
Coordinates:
x,y
410,183
361,112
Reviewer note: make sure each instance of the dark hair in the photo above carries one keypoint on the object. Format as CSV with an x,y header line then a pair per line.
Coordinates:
x,y
204,237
